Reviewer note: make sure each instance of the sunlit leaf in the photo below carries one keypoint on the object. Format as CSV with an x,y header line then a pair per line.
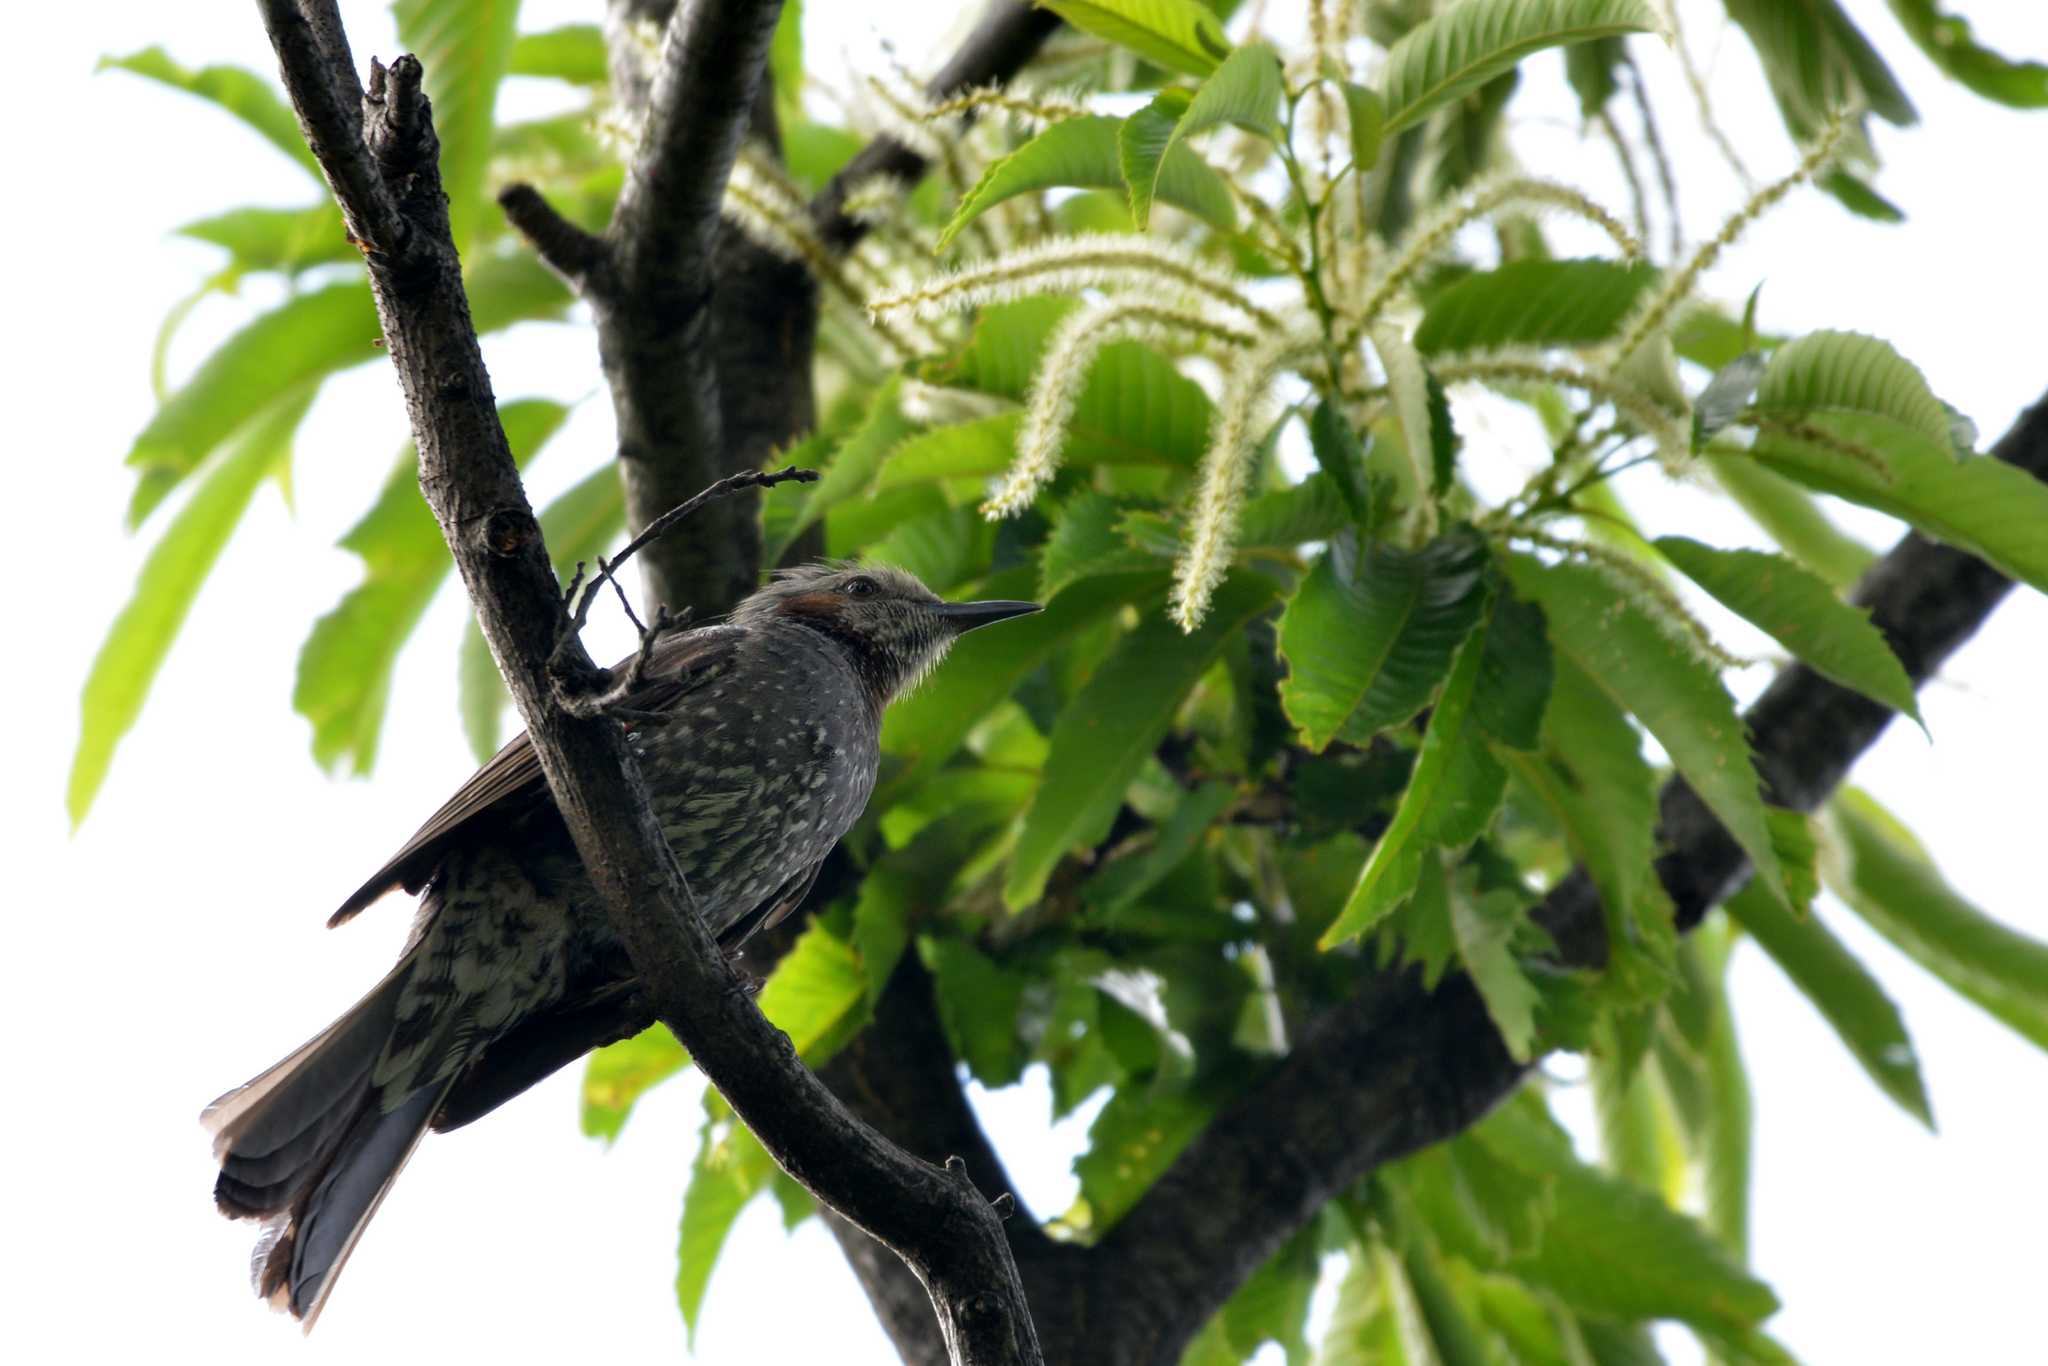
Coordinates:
x,y
1134,1138
1484,927
1083,153
1245,90
1845,994
1948,43
1801,613
239,91
731,1169
1180,35
1473,41
572,52
978,1002
1793,519
165,588
464,47
288,240
617,1075
1893,887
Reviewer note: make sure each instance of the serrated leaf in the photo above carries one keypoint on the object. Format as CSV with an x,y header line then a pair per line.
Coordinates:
x,y
1800,612
1790,516
1837,398
464,47
1108,730
854,468
1611,1248
1122,881
1085,541
881,926
1590,68
1818,63
923,730
286,240
1396,863
1245,90
1084,153
570,52
1844,992
1948,43
1369,635
1179,35
239,91
1341,456
1515,673
617,1075
165,588
1532,303
1313,510
1483,927
1473,41
1905,899
1668,688
344,673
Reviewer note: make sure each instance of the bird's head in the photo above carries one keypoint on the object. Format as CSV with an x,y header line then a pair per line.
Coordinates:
x,y
894,628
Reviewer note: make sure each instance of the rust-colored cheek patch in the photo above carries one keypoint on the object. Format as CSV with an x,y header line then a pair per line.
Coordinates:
x,y
825,606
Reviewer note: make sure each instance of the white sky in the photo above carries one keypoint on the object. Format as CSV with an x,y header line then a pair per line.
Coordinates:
x,y
174,946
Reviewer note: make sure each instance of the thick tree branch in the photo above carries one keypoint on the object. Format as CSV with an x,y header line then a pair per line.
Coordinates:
x,y
930,1216
1398,1068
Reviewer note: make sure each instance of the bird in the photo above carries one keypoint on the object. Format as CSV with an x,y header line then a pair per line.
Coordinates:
x,y
759,741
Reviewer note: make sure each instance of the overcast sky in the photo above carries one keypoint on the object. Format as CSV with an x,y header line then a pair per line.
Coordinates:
x,y
174,946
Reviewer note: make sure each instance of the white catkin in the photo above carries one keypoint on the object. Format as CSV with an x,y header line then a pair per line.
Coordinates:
x,y
1213,519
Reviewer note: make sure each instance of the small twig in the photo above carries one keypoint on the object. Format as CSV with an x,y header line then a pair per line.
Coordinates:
x,y
585,693
667,522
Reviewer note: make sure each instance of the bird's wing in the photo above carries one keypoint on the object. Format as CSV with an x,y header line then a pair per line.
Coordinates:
x,y
512,776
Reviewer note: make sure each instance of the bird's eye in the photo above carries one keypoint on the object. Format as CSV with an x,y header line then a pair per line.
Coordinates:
x,y
861,588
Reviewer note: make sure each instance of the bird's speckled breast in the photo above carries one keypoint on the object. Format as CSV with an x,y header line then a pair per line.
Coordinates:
x,y
762,767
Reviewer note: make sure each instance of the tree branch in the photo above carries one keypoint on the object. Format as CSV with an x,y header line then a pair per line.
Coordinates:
x,y
1398,1068
930,1216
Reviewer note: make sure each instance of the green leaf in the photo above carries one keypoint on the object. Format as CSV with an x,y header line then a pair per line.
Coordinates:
x,y
1134,1138
1532,303
1947,41
465,47
786,61
1792,519
239,91
1368,637
923,730
303,339
1817,63
1845,994
480,695
1179,35
287,240
1610,1247
817,994
1592,776
1396,863
1124,880
1341,456
1590,68
1515,673
1889,884
1272,1305
165,588
617,1075
979,1001
1083,153
572,52
1108,730
1313,510
731,1169
344,677
1473,41
1800,612
1368,125
1668,687
881,925
854,467
1245,90
1725,1139
1085,541
1484,926
1833,400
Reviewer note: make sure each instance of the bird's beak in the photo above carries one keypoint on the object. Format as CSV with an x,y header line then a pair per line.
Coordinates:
x,y
966,616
